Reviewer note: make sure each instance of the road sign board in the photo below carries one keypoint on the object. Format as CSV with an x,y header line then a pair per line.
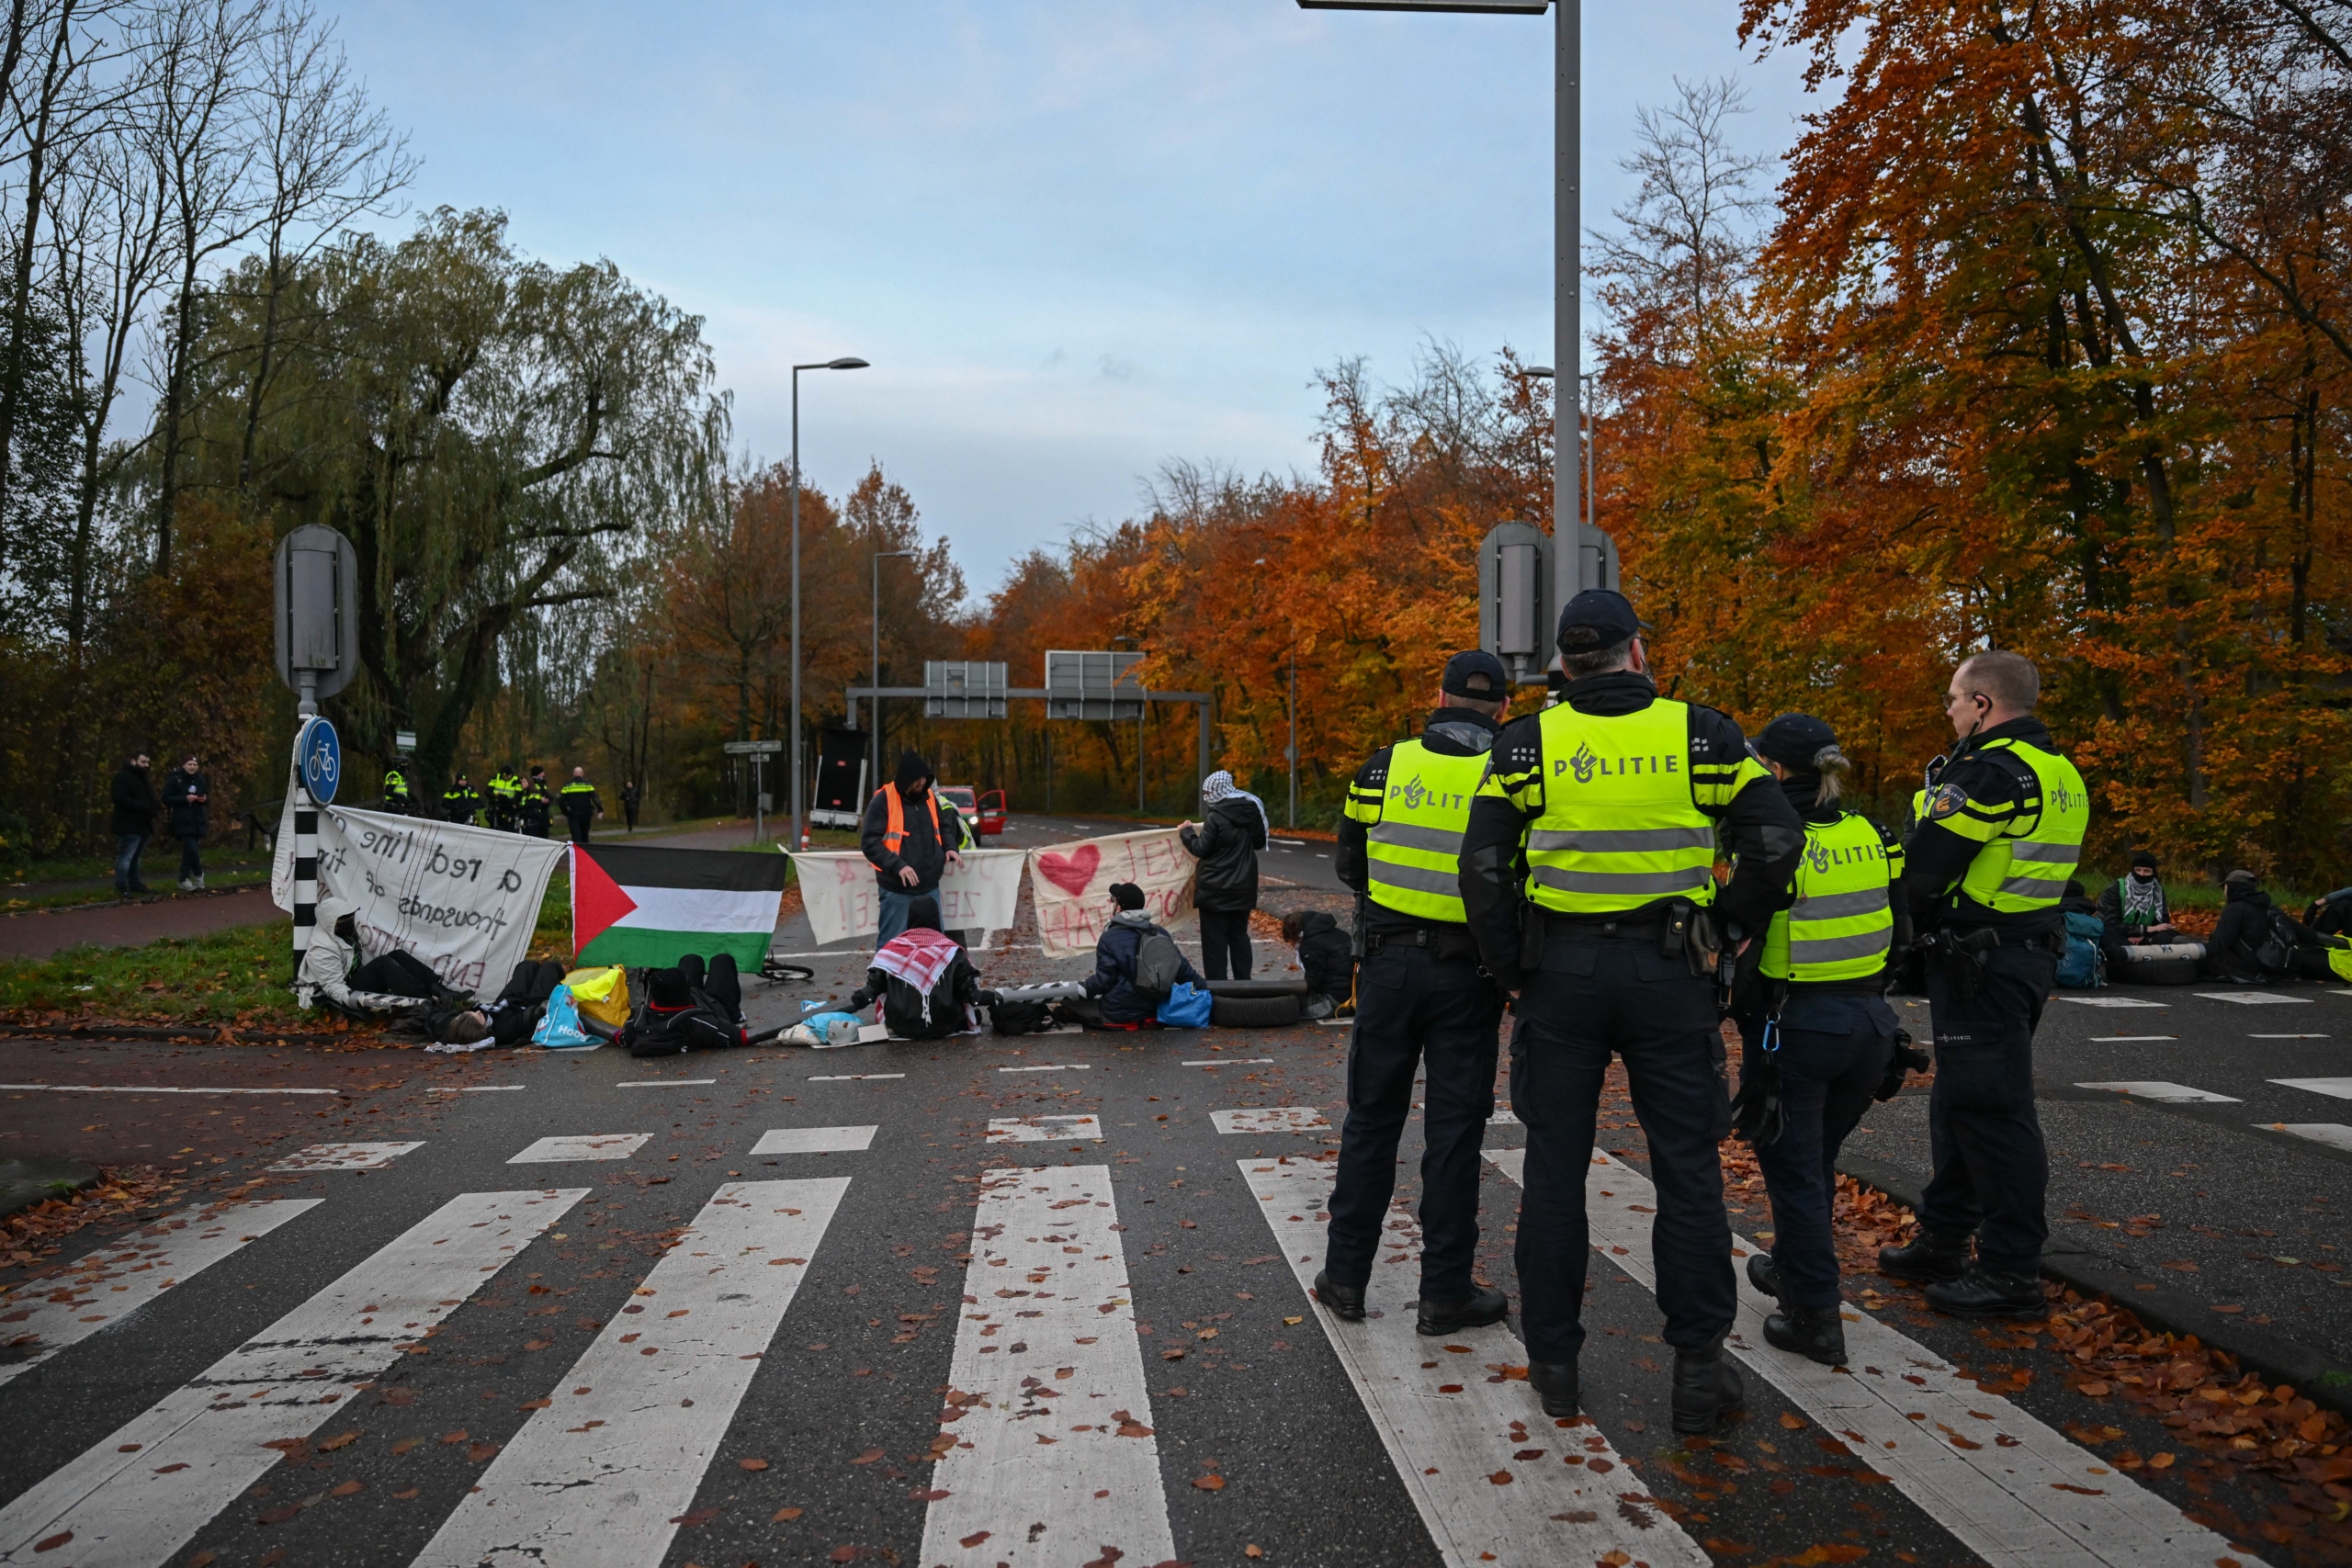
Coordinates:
x,y
1086,685
964,689
316,578
318,757
752,748
1515,608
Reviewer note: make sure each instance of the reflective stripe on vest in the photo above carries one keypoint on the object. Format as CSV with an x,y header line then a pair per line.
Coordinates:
x,y
894,832
1843,921
1618,829
1413,849
2029,868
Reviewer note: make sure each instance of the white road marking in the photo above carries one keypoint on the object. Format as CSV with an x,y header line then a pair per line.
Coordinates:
x,y
2341,1089
152,1089
586,1145
344,1156
1271,1118
1456,1431
2328,1134
2255,999
814,1140
1053,1067
855,1078
2115,1039
1044,1129
664,1082
1234,1061
134,1498
598,1477
2009,1488
2286,1037
109,1285
476,1088
2166,1094
2110,1002
1046,1449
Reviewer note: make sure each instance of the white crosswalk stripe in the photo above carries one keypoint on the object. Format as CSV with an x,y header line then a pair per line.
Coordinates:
x,y
597,1477
2165,1093
815,1140
589,1146
1495,1478
1047,1453
2014,1491
107,1287
135,1497
2339,1088
2327,1134
1044,1129
1271,1118
2255,999
344,1156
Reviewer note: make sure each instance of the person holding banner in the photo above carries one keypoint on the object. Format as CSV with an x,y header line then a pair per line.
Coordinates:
x,y
909,836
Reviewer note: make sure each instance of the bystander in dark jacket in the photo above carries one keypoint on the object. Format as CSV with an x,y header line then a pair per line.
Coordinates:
x,y
134,822
186,795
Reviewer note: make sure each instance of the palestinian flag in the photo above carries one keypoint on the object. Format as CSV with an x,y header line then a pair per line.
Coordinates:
x,y
647,907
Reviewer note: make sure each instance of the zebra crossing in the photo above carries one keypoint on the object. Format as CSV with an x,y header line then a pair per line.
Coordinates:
x,y
2334,1136
1048,1446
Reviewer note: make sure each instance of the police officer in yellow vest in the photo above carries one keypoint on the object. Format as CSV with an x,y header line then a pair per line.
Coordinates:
x,y
1818,1035
1614,797
1984,875
459,802
1421,998
503,789
396,797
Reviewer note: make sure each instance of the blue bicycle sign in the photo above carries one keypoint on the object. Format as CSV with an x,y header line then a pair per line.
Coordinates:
x,y
318,757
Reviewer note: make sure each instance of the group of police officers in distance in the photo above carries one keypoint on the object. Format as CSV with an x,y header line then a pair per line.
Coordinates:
x,y
510,802
1563,865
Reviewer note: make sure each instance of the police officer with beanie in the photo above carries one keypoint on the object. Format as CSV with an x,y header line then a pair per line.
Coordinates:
x,y
1984,873
1817,1031
1421,993
1614,797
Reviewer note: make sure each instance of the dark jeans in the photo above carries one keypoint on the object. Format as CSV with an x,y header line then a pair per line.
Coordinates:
x,y
897,903
191,859
397,974
579,823
1593,997
1992,1170
628,810
1827,1074
126,861
719,980
1411,1006
1224,940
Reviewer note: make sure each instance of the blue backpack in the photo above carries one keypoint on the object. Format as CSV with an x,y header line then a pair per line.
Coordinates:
x,y
2083,966
1187,1007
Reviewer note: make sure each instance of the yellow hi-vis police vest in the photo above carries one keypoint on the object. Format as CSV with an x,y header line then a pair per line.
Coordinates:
x,y
1414,832
1620,825
1843,923
2029,852
395,785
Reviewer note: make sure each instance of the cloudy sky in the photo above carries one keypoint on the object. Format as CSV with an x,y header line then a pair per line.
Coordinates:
x,y
1077,237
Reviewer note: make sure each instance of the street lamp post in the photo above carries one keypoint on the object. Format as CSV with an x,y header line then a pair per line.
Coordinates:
x,y
874,680
799,829
1142,710
1569,574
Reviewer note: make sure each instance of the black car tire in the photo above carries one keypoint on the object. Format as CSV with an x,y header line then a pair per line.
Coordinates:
x,y
1252,1012
2153,972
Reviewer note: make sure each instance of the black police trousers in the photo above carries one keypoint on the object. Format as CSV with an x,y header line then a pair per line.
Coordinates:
x,y
1833,1052
1412,1006
1991,1168
1596,994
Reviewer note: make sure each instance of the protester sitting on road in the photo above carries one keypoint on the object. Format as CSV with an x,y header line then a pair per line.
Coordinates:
x,y
1226,841
134,823
185,794
925,984
332,964
1114,1000
1326,956
2330,914
909,836
2254,941
2134,909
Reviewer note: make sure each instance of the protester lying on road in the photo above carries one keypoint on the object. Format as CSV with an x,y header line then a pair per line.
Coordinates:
x,y
2254,941
1326,957
331,974
927,987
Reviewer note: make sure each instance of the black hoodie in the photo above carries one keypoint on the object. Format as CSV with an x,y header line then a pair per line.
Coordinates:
x,y
923,849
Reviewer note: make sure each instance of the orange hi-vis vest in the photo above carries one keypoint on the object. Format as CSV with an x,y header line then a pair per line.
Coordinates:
x,y
895,833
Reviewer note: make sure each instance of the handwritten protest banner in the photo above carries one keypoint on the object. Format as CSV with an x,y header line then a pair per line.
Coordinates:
x,y
838,889
464,899
1071,884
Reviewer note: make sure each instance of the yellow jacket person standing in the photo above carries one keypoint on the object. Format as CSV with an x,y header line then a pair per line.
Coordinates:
x,y
1612,799
1422,1001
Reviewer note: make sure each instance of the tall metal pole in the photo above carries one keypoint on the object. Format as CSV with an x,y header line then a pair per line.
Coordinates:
x,y
797,831
1293,734
1591,448
1569,571
874,681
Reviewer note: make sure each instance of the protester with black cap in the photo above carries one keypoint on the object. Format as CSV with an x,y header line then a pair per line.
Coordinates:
x,y
1420,998
1817,1034
1612,799
1119,995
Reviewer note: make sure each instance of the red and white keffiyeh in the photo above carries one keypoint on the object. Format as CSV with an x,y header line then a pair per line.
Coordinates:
x,y
918,956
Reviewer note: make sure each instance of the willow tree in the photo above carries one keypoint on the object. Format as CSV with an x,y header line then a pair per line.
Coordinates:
x,y
493,435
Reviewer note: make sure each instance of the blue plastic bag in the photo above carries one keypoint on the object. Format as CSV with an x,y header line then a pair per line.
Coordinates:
x,y
560,1028
1187,1007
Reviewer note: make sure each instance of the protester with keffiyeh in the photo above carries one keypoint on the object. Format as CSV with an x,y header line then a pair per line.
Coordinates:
x,y
1226,841
921,976
2133,908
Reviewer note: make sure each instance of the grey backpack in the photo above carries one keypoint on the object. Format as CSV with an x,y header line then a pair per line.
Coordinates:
x,y
1157,966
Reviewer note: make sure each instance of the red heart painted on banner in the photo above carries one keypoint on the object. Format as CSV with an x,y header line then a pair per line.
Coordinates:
x,y
1072,872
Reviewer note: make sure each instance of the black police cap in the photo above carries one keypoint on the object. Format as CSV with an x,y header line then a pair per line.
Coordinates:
x,y
1598,617
1793,740
1475,674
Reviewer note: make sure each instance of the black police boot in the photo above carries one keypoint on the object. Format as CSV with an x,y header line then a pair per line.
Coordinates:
x,y
1986,1292
1345,1301
1554,1383
1482,1306
1706,1388
1926,1258
1762,1275
1816,1333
